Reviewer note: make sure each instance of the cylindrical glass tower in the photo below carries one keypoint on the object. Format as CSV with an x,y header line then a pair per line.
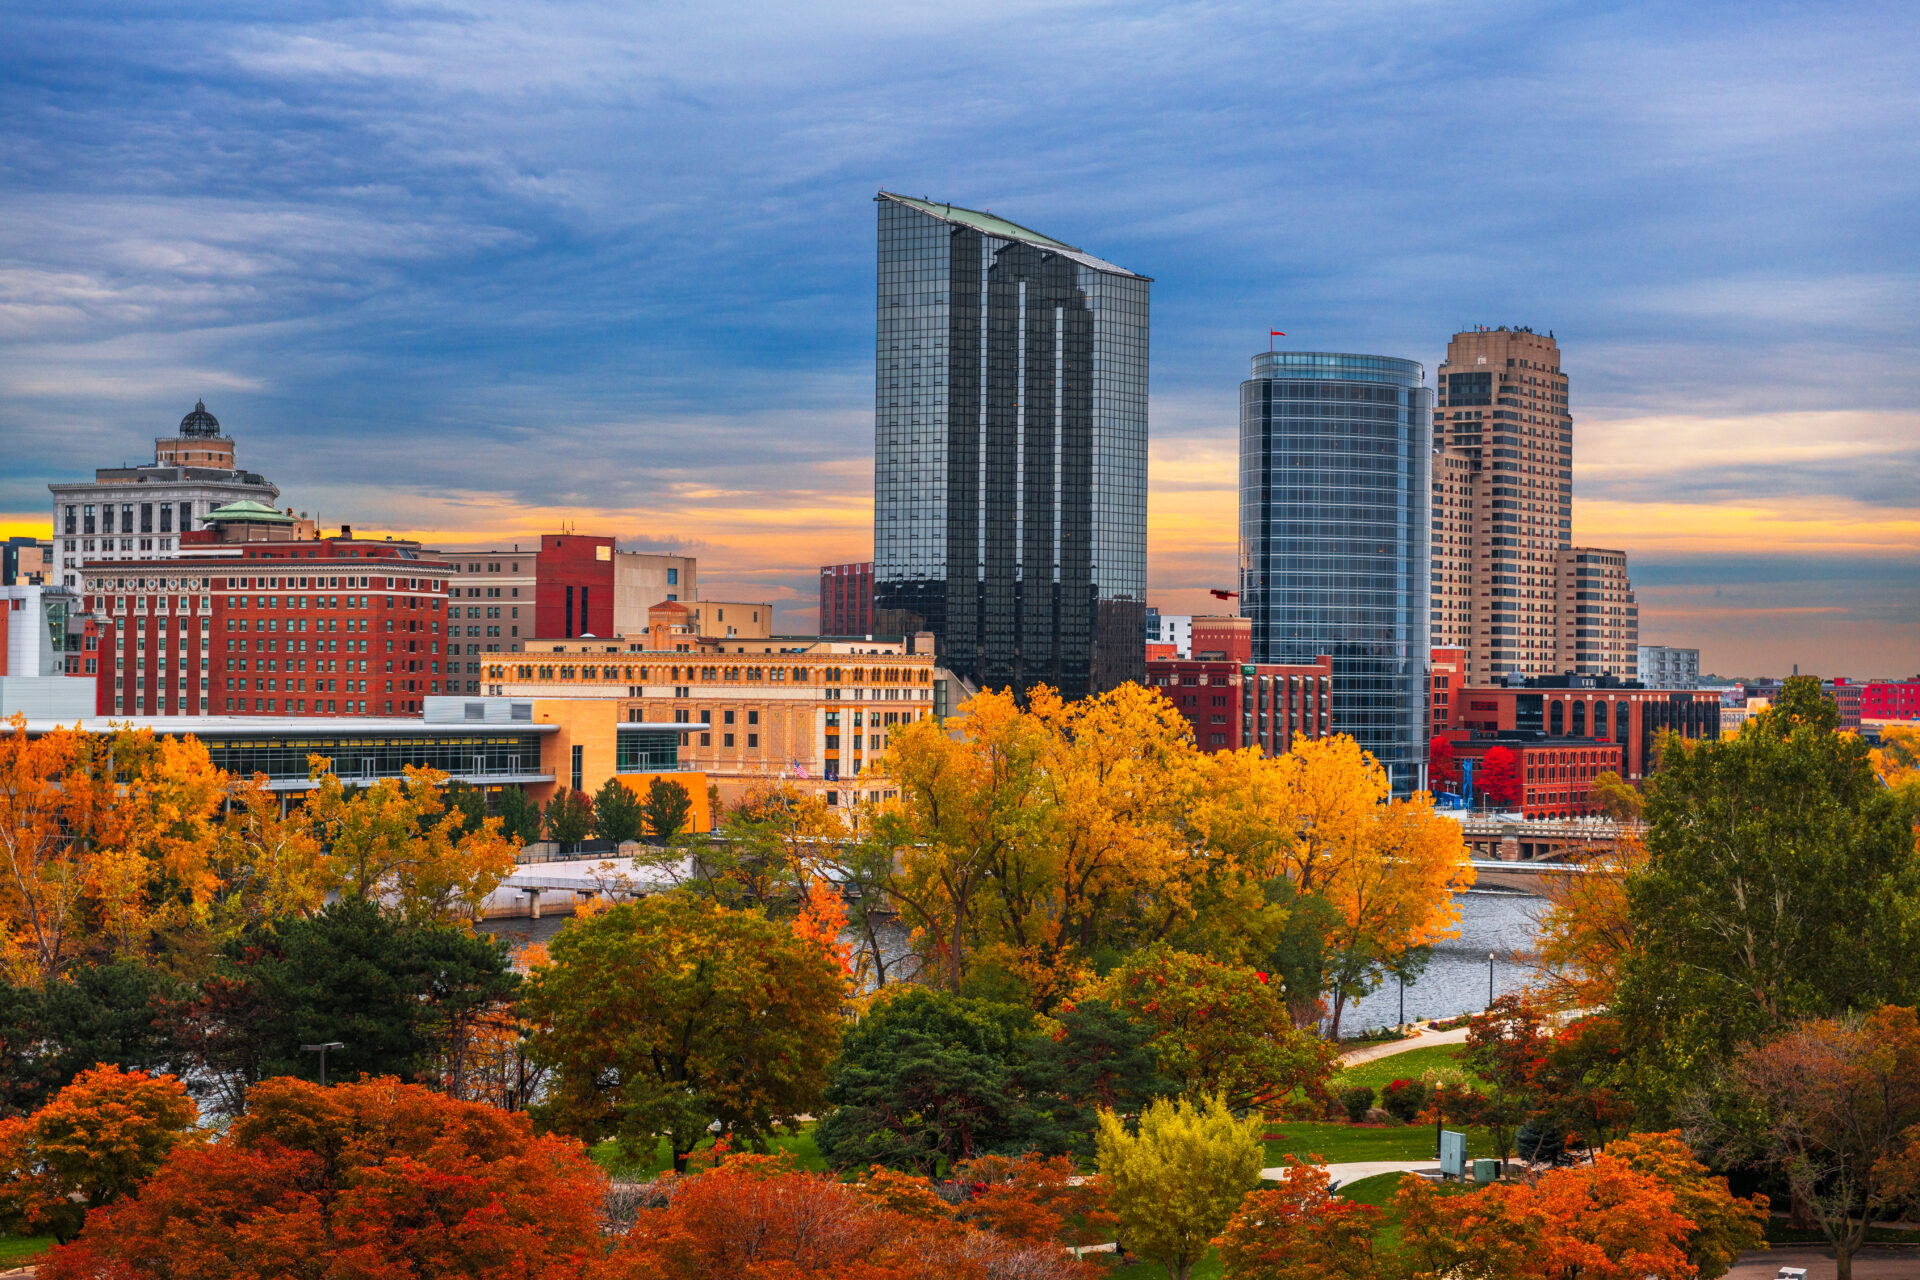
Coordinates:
x,y
1336,460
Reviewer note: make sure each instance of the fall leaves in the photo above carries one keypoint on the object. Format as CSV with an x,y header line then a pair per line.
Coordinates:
x,y
118,844
1048,841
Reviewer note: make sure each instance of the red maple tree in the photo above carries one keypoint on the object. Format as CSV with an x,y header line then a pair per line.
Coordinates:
x,y
1498,777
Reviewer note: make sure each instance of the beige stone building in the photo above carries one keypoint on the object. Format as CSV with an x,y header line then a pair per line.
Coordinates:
x,y
731,619
1453,515
642,579
811,712
1599,619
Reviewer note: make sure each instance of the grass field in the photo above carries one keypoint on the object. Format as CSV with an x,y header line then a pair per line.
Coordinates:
x,y
608,1156
1345,1144
1376,1191
1207,1269
18,1250
1381,1072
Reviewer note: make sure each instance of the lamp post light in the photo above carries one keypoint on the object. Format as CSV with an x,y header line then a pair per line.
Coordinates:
x,y
1403,1002
1489,979
321,1049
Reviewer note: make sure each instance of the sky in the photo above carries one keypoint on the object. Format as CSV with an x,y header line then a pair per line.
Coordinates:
x,y
467,270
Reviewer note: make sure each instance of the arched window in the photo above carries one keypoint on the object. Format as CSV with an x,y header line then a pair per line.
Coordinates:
x,y
1556,723
1579,729
1599,719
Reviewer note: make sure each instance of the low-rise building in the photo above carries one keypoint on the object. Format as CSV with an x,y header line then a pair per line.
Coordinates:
x,y
1221,638
1556,773
1447,676
1232,705
1596,707
811,711
1890,700
731,619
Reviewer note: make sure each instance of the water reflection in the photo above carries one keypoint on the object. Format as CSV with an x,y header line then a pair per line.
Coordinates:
x,y
1456,980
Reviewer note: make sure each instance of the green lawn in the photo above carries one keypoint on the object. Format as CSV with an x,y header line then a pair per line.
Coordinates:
x,y
607,1155
1376,1191
16,1250
1345,1144
1381,1072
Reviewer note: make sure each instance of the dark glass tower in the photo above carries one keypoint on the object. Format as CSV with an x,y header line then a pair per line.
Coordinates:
x,y
1010,450
1335,478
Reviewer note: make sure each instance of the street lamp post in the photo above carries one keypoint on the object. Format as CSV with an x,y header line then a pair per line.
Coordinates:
x,y
321,1049
1489,979
1403,1001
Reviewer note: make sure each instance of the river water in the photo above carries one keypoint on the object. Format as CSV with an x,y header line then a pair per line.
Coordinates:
x,y
1455,981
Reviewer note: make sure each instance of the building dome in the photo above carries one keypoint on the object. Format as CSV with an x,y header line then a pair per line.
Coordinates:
x,y
200,423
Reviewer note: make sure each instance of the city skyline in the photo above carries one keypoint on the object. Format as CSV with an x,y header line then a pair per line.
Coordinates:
x,y
404,263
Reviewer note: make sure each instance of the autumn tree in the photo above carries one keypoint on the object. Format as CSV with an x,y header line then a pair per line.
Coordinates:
x,y
375,1178
1505,1046
394,841
1297,1229
962,807
779,841
663,1016
270,864
1834,1105
96,1142
759,1218
1724,1225
666,810
1443,766
103,844
1218,1029
1176,1181
616,812
1035,1199
1586,932
1778,869
1498,777
1387,868
1617,798
519,815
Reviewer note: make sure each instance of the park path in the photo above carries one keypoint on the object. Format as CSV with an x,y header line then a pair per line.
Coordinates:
x,y
1425,1039
1355,1170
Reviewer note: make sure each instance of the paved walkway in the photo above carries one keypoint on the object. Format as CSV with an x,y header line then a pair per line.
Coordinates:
x,y
1872,1262
1358,1169
1386,1049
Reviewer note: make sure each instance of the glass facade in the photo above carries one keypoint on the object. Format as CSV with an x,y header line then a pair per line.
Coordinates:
x,y
1335,476
646,750
1010,450
359,757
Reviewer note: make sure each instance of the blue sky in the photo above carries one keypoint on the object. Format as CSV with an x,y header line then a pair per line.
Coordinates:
x,y
468,269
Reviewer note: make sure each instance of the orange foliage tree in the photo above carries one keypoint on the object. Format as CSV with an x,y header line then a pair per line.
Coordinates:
x,y
375,1179
1586,933
104,841
1298,1230
1035,1199
757,1218
96,1142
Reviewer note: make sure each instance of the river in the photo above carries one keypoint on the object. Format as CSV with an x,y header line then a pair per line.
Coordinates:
x,y
1455,981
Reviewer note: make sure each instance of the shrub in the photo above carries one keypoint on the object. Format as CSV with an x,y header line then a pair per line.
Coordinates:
x,y
1357,1101
1404,1099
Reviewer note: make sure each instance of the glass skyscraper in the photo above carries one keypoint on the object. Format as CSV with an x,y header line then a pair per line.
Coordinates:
x,y
1335,473
1010,450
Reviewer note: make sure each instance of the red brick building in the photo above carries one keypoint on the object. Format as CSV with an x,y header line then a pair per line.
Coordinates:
x,y
1241,704
1890,700
846,599
1447,676
332,627
1589,707
573,587
1222,638
1557,773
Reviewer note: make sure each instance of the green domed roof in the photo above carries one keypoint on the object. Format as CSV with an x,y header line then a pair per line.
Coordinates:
x,y
247,511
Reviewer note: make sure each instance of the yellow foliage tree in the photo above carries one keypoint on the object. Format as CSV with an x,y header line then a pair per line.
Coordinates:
x,y
1897,758
1389,868
104,842
396,841
1586,931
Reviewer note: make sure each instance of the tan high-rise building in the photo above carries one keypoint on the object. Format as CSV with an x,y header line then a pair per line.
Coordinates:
x,y
1503,404
1599,620
1453,515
